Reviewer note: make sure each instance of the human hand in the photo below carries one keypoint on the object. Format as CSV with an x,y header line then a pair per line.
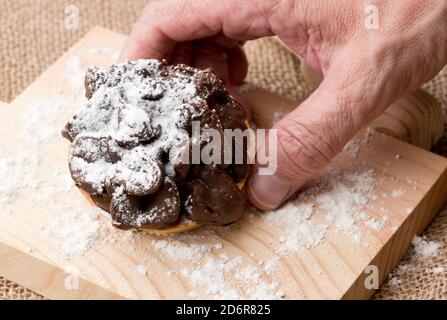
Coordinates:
x,y
365,69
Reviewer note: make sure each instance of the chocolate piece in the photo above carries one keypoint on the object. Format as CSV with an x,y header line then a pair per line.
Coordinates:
x,y
137,172
93,149
90,160
134,127
102,201
213,198
238,172
158,210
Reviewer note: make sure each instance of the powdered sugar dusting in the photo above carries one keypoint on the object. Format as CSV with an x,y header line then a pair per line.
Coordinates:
x,y
339,197
76,231
17,174
224,278
301,232
41,121
185,248
425,248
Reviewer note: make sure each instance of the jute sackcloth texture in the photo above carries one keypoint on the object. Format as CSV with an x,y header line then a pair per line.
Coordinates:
x,y
33,36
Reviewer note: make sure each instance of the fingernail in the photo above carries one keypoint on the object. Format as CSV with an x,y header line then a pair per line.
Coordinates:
x,y
267,192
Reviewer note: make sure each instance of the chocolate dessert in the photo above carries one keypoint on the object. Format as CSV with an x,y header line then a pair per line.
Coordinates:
x,y
128,146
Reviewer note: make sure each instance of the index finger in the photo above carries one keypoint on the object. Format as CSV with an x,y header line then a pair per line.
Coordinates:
x,y
164,23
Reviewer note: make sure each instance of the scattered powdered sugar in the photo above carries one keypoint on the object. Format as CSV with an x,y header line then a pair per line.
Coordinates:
x,y
353,147
105,51
75,231
301,232
17,174
344,197
184,248
225,278
142,269
424,248
341,198
271,265
75,72
398,193
102,50
216,275
42,120
394,281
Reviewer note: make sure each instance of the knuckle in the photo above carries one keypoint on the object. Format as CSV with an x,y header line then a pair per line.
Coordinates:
x,y
302,151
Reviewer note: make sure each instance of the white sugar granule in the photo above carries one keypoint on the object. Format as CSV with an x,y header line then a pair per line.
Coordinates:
x,y
424,248
141,269
353,147
105,51
75,72
394,281
17,174
376,224
101,50
438,270
271,265
398,193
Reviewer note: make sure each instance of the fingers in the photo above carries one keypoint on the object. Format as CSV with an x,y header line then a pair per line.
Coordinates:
x,y
147,41
313,134
163,23
209,55
237,65
182,54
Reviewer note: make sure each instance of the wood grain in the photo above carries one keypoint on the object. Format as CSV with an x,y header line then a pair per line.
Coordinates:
x,y
333,269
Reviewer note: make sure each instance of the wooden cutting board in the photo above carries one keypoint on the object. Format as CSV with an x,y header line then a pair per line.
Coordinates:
x,y
245,259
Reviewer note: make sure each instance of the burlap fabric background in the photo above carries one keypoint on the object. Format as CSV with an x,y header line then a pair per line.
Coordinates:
x,y
33,36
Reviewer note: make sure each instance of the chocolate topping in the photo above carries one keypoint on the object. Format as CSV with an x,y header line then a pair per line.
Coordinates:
x,y
213,198
154,211
128,145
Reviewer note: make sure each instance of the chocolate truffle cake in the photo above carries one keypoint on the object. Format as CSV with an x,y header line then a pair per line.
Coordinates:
x,y
128,147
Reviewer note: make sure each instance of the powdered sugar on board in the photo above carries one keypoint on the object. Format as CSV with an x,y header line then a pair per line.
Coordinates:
x,y
17,175
42,120
76,231
338,197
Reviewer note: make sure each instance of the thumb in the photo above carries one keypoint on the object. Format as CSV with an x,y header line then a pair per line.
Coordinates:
x,y
309,137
